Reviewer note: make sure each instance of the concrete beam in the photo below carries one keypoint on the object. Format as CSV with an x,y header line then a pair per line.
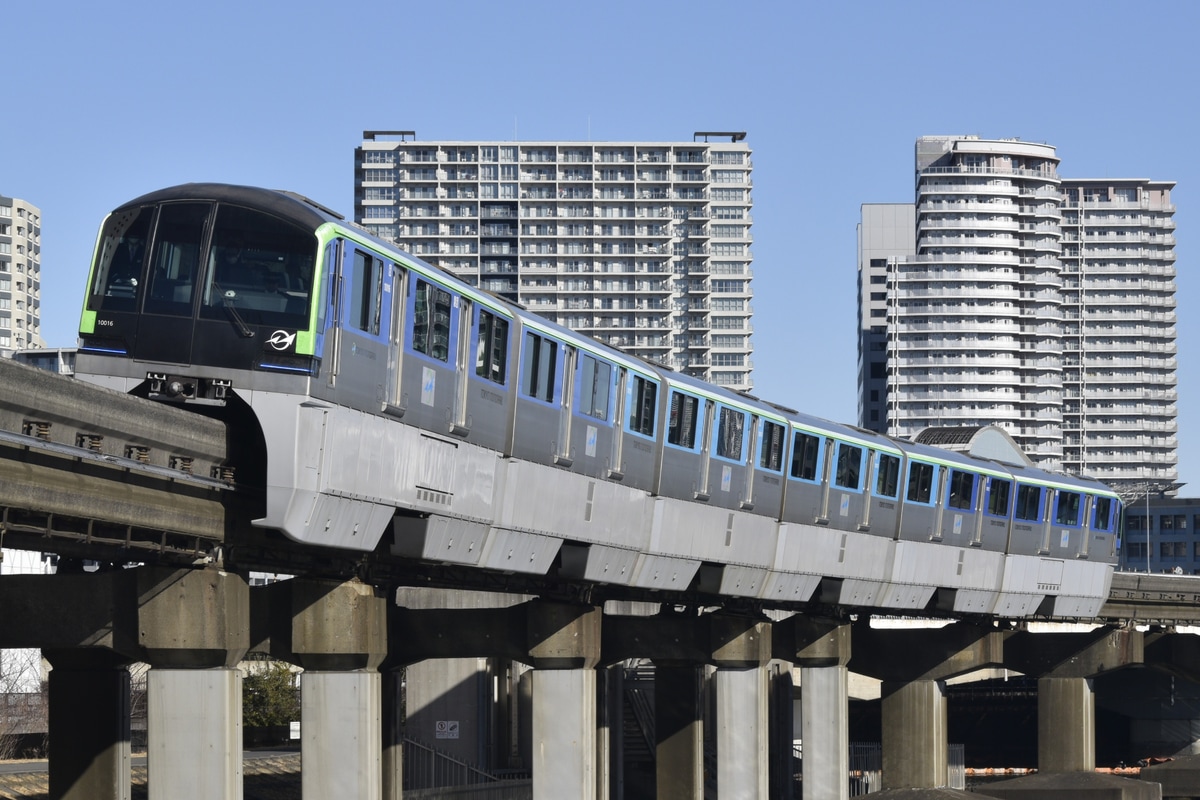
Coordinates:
x,y
1177,653
1073,655
812,641
930,654
323,624
165,617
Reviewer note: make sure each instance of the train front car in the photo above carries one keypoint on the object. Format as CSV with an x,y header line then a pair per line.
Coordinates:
x,y
207,295
201,286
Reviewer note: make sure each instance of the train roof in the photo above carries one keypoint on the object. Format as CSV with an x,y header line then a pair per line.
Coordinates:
x,y
286,205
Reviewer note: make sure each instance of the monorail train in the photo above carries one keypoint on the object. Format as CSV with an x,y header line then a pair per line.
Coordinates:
x,y
403,410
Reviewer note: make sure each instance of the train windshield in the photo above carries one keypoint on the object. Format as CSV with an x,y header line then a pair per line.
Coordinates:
x,y
255,269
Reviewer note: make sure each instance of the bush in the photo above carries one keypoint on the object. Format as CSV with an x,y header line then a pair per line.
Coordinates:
x,y
270,696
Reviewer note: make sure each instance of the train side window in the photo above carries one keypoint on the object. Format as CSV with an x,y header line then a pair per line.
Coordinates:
x,y
366,292
920,481
887,475
431,321
962,490
685,412
998,493
849,466
491,348
1068,505
595,387
806,456
1029,503
1102,515
538,364
643,395
731,428
770,450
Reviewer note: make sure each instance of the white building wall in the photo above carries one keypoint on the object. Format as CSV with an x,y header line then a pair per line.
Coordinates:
x,y
20,274
642,245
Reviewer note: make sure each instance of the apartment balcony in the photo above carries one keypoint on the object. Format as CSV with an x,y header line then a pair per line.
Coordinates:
x,y
992,169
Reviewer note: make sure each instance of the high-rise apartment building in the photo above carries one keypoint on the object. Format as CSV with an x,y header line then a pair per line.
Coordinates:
x,y
643,245
20,274
1018,298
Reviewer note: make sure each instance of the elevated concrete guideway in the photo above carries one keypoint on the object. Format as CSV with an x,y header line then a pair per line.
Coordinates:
x,y
89,473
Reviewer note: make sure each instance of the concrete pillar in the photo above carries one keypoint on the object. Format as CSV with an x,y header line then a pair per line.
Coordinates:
x,y
392,726
340,746
193,627
336,631
742,733
821,648
89,725
741,650
825,732
782,723
194,734
679,731
915,747
564,734
563,644
1066,725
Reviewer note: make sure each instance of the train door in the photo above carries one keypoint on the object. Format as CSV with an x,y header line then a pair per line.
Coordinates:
x,y
394,400
432,355
364,315
460,421
166,329
563,455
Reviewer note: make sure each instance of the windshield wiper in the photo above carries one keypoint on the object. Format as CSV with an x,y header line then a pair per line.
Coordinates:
x,y
227,302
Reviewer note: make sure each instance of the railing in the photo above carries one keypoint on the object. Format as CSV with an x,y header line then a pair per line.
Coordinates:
x,y
866,767
428,772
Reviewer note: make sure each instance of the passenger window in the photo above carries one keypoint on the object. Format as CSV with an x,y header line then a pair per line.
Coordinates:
x,y
1068,508
681,428
962,490
1102,517
538,364
595,387
849,465
366,291
431,321
920,481
998,494
643,394
770,451
1029,503
887,475
806,456
730,429
491,349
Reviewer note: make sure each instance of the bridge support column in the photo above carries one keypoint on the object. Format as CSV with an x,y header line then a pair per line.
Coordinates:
x,y
89,725
914,665
741,650
915,745
338,633
679,731
820,647
392,745
194,733
564,649
1064,664
1066,725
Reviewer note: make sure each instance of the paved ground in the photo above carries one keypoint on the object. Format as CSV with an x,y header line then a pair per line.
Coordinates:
x,y
272,778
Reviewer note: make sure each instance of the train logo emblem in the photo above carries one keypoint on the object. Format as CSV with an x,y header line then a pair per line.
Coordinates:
x,y
281,340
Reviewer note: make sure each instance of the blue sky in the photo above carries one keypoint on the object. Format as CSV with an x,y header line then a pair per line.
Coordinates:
x,y
107,101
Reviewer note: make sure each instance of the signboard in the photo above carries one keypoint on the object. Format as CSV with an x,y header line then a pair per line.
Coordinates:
x,y
446,729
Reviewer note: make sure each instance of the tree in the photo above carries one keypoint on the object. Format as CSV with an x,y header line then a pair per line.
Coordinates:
x,y
270,695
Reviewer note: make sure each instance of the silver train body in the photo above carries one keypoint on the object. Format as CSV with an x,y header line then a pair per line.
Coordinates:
x,y
446,425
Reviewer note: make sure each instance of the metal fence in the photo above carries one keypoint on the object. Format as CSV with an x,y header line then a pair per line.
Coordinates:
x,y
430,773
866,767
